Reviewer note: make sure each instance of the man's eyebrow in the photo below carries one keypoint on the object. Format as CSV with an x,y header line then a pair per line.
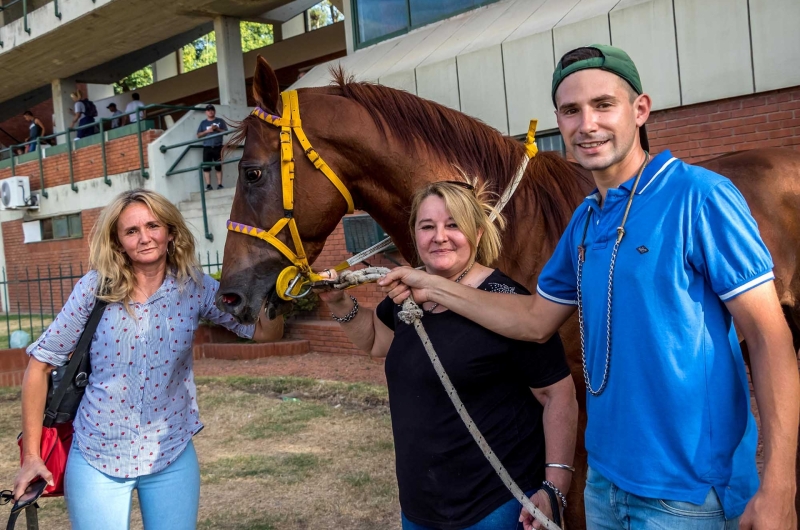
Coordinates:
x,y
595,100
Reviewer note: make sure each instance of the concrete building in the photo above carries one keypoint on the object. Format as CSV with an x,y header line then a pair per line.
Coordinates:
x,y
721,73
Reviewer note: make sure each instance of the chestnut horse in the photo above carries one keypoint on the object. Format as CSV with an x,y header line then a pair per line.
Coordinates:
x,y
384,144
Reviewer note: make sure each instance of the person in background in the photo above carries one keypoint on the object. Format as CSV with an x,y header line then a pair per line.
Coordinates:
x,y
84,113
130,110
115,113
212,147
135,423
35,129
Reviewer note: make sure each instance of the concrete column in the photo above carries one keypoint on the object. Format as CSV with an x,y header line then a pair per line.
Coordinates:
x,y
350,22
166,67
230,62
62,104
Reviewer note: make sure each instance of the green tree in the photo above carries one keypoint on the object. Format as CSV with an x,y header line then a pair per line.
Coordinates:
x,y
137,79
203,51
323,14
255,35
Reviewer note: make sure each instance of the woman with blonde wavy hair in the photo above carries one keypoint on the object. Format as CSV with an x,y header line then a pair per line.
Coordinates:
x,y
135,423
520,394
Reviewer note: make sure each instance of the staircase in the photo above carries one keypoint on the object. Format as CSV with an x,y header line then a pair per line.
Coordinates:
x,y
218,207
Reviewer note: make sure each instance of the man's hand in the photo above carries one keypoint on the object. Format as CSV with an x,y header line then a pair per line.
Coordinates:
x,y
403,282
770,511
541,501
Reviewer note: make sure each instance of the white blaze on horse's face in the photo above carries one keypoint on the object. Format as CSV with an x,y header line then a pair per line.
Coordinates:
x,y
442,247
597,118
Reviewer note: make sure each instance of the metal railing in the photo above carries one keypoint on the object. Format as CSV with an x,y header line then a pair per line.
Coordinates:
x,y
101,123
32,299
196,144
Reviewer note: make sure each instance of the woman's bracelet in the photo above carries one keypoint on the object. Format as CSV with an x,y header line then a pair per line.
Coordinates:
x,y
561,466
349,316
549,485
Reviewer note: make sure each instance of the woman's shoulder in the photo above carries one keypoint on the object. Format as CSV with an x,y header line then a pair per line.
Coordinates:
x,y
499,282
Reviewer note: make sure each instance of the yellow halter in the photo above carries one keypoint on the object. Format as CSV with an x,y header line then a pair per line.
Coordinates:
x,y
289,285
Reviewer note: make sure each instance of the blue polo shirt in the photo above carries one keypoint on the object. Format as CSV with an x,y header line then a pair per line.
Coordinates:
x,y
674,419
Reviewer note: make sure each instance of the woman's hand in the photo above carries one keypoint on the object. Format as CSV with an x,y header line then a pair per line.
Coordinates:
x,y
541,501
333,297
32,468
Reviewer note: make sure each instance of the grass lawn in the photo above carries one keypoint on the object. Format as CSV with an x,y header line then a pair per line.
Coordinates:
x,y
277,453
34,324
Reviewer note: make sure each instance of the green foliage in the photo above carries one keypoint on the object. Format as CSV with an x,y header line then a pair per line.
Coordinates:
x,y
255,35
216,275
137,79
323,14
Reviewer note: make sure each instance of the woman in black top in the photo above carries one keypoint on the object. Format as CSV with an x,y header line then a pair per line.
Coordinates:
x,y
519,394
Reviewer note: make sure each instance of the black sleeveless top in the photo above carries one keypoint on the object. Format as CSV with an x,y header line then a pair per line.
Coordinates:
x,y
445,481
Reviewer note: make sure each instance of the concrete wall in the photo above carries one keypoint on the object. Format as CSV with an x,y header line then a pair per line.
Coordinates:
x,y
496,62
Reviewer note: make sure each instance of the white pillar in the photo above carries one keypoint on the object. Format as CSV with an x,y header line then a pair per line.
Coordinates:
x,y
166,67
62,104
350,22
230,62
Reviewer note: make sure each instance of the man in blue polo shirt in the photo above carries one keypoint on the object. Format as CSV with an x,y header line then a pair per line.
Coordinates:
x,y
659,261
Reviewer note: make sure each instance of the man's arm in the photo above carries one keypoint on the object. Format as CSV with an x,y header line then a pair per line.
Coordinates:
x,y
758,316
530,318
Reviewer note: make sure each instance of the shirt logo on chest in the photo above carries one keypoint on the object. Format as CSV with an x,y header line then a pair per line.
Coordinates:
x,y
643,250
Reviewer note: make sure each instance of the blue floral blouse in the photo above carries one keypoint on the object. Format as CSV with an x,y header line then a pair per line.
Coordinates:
x,y
139,411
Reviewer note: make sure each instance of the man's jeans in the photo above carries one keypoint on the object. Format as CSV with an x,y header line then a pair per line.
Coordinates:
x,y
610,508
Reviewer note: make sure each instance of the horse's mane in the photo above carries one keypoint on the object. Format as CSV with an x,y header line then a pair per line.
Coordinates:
x,y
476,148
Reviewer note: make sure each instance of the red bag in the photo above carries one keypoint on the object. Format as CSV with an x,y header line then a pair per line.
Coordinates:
x,y
55,445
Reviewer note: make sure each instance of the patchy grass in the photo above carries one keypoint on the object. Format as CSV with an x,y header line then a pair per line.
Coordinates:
x,y
277,453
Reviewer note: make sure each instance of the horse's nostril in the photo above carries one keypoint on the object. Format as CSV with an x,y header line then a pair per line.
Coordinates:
x,y
231,299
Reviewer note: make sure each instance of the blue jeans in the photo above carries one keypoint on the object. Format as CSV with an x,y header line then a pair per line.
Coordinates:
x,y
168,499
506,517
610,508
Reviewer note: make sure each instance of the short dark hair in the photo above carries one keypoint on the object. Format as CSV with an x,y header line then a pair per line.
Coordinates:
x,y
135,96
583,53
27,113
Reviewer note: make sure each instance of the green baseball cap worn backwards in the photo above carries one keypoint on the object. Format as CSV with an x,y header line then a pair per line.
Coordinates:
x,y
612,60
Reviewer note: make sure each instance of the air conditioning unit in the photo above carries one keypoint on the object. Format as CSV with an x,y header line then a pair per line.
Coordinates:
x,y
15,193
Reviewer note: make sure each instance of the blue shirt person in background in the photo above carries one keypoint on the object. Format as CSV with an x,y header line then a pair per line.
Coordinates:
x,y
212,147
670,437
135,423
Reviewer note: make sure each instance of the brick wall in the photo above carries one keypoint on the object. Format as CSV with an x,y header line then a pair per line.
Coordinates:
x,y
25,262
702,131
122,156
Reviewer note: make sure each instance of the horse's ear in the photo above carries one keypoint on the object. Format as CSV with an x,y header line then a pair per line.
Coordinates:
x,y
265,86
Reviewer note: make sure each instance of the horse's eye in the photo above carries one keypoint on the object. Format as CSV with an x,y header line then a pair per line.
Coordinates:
x,y
252,175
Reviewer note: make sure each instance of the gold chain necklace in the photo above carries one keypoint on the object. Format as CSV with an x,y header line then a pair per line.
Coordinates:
x,y
458,280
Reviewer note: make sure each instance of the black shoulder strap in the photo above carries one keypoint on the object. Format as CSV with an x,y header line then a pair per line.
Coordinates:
x,y
75,361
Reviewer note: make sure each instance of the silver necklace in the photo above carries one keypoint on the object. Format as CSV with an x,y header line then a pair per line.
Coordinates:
x,y
458,280
581,259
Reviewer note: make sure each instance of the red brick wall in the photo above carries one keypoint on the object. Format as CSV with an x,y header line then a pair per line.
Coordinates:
x,y
28,261
698,132
122,155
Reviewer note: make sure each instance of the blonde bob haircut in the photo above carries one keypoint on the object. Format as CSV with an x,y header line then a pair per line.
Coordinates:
x,y
470,209
114,268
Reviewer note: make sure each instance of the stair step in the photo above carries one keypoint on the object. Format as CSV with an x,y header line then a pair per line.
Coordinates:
x,y
224,192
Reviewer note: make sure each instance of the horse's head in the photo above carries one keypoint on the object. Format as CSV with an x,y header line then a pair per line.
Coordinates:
x,y
252,265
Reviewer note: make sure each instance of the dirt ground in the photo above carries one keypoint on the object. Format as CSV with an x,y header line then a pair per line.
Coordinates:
x,y
350,369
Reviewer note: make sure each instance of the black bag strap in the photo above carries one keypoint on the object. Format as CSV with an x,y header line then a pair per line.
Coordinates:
x,y
74,362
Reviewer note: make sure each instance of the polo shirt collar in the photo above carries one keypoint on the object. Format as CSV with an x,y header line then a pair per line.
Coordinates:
x,y
655,168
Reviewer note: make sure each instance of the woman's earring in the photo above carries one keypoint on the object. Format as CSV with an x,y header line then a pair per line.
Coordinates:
x,y
173,248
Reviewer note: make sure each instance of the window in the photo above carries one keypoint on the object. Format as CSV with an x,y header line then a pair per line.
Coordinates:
x,y
381,19
62,227
551,142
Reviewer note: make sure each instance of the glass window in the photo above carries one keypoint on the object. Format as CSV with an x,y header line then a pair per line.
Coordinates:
x,y
62,227
551,142
378,18
75,227
427,11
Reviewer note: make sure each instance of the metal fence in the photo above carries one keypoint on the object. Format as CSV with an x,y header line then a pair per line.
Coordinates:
x,y
32,297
